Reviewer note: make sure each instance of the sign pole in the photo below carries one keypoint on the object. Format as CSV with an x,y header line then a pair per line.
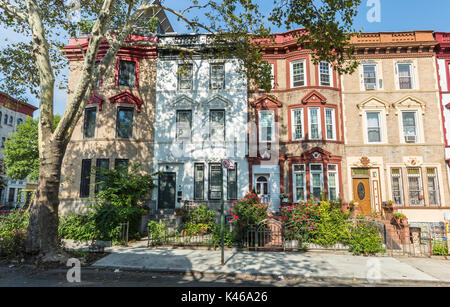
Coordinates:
x,y
222,229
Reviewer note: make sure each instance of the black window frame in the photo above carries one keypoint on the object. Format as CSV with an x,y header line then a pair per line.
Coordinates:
x,y
117,122
229,189
127,83
219,165
202,182
117,162
85,122
85,181
98,176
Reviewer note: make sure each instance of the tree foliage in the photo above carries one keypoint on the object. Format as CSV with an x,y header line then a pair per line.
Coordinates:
x,y
21,151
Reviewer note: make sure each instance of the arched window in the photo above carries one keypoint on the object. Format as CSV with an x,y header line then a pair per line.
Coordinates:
x,y
19,121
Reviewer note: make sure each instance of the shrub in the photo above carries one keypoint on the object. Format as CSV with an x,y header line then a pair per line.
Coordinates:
x,y
200,215
365,239
332,225
300,221
13,229
440,248
227,236
157,231
194,229
246,213
78,227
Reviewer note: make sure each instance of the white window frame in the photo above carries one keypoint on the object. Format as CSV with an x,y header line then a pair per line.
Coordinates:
x,y
291,70
411,73
319,123
381,126
421,186
294,177
336,176
180,76
223,86
400,177
330,74
402,132
376,77
333,124
311,172
436,183
272,112
293,124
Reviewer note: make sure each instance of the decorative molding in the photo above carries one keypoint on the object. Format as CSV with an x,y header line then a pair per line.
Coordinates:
x,y
127,97
222,101
408,103
373,103
97,99
182,100
266,101
314,97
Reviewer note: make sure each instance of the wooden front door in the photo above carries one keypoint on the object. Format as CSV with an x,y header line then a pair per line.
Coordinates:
x,y
166,191
361,193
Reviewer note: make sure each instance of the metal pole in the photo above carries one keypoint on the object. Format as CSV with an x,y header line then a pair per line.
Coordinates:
x,y
222,228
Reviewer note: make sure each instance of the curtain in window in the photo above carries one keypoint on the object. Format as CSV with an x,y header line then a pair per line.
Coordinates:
x,y
370,77
415,187
329,120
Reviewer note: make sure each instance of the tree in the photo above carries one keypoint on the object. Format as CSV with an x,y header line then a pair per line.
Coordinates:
x,y
21,151
35,62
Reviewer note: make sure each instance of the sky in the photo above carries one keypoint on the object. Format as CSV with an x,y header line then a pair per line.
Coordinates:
x,y
394,15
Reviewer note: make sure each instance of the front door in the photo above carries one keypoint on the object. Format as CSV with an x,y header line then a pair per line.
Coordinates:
x,y
262,189
361,193
166,191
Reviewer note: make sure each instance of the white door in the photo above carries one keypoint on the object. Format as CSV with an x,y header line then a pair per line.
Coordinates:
x,y
263,189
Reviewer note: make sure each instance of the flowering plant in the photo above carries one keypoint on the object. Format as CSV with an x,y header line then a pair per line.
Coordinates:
x,y
300,221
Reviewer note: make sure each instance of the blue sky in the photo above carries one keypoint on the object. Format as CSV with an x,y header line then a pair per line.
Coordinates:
x,y
395,15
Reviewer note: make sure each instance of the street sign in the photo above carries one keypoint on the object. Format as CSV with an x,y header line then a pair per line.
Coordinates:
x,y
228,164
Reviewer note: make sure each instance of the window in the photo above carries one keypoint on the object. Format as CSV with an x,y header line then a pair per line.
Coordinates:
x,y
297,124
1,115
405,76
184,124
316,180
11,120
127,73
19,121
185,72
415,187
199,181
232,183
11,195
90,115
397,186
373,127
409,127
3,142
125,123
6,119
370,77
217,76
272,75
299,183
325,74
433,187
333,182
298,73
121,164
215,181
102,165
217,125
85,178
315,132
95,69
330,124
266,126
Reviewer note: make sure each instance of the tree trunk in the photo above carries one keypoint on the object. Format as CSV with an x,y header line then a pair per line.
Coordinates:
x,y
42,232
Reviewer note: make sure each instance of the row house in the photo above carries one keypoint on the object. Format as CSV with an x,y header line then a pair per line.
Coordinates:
x,y
13,112
296,150
200,120
394,145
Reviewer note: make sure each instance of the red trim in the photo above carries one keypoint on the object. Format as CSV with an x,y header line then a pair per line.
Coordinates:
x,y
305,57
16,105
127,97
136,73
314,97
306,158
96,98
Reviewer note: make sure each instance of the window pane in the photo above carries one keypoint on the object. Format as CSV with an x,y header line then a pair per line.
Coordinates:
x,y
102,164
232,183
404,74
415,187
433,187
370,78
121,164
89,122
314,123
324,73
298,124
127,73
397,188
184,125
124,123
85,178
298,74
266,123
199,182
330,125
373,127
215,181
217,125
217,76
409,123
185,76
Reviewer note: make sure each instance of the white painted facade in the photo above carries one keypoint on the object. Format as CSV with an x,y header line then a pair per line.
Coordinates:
x,y
176,155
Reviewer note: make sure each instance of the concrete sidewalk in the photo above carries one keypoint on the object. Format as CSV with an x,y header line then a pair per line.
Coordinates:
x,y
291,265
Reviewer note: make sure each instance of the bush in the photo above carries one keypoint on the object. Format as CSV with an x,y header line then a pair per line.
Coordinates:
x,y
440,248
246,213
78,227
365,239
332,225
300,221
157,231
13,229
227,236
200,215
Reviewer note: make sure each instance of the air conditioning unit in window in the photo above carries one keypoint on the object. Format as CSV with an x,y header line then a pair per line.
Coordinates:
x,y
410,139
371,86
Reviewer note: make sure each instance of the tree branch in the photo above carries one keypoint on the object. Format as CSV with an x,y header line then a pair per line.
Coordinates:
x,y
14,10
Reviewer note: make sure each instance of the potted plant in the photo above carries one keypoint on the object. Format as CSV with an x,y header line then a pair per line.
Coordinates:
x,y
399,218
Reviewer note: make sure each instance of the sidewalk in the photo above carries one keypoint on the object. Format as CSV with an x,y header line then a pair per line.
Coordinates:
x,y
292,265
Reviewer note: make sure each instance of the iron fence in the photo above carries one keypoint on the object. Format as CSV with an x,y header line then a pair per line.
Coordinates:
x,y
181,238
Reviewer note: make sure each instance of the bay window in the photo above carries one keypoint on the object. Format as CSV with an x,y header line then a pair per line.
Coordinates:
x,y
298,75
325,74
266,126
333,182
330,124
297,124
299,183
316,173
315,132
